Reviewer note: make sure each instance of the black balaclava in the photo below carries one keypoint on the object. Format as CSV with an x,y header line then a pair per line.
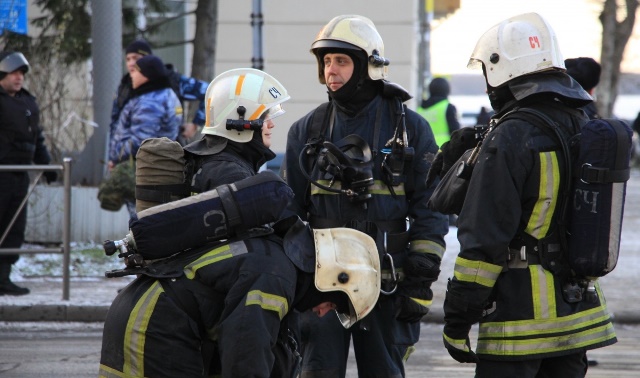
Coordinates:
x,y
254,150
499,97
356,93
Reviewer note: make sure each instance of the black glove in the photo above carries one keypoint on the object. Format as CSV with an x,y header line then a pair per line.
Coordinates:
x,y
414,292
413,303
461,140
456,339
459,314
50,176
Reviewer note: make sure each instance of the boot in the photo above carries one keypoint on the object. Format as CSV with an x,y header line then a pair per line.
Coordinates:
x,y
6,286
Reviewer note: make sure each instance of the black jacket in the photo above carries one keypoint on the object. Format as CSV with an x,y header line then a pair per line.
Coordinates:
x,y
21,138
514,190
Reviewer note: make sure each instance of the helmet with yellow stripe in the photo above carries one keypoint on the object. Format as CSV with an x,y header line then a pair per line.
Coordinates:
x,y
238,101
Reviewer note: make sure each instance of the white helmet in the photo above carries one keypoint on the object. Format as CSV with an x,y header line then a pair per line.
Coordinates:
x,y
237,98
347,260
517,46
352,32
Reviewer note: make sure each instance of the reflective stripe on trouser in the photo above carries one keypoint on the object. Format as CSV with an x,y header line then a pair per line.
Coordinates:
x,y
547,333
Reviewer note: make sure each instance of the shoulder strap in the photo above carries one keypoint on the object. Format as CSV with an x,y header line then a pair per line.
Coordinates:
x,y
319,123
315,137
545,123
542,121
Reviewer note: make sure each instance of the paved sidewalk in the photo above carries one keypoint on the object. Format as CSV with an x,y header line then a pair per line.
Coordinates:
x,y
90,298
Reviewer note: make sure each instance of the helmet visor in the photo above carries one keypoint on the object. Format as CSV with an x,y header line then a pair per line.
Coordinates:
x,y
274,111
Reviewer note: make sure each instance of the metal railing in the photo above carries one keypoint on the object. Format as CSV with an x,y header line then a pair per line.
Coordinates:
x,y
64,249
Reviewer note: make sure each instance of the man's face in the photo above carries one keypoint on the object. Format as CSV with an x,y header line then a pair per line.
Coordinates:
x,y
131,59
12,82
137,79
338,69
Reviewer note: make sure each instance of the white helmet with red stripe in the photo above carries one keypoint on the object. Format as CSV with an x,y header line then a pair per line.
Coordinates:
x,y
520,45
238,101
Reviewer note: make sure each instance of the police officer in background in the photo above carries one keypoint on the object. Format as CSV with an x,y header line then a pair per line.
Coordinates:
x,y
21,142
186,88
530,326
438,111
369,174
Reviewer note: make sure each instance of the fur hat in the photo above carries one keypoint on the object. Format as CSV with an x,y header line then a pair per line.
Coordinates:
x,y
139,47
585,71
151,67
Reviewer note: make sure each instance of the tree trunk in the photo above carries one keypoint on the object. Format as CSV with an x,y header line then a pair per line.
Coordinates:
x,y
615,36
204,43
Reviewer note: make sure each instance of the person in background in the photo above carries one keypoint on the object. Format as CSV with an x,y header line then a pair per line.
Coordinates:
x,y
152,111
21,142
438,111
505,277
441,115
186,88
338,181
484,116
586,71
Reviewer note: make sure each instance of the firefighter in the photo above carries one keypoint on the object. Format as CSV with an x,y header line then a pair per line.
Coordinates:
x,y
534,319
240,105
231,300
361,161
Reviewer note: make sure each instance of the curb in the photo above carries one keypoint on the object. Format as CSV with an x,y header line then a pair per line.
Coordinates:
x,y
54,313
93,313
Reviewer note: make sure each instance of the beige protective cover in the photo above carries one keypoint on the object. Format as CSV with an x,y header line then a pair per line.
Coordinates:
x,y
159,161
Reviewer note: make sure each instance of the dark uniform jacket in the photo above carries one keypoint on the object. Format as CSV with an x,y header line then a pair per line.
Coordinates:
x,y
21,138
233,295
514,191
387,204
21,142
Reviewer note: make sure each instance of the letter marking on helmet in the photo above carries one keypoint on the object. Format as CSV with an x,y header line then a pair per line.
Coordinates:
x,y
517,46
